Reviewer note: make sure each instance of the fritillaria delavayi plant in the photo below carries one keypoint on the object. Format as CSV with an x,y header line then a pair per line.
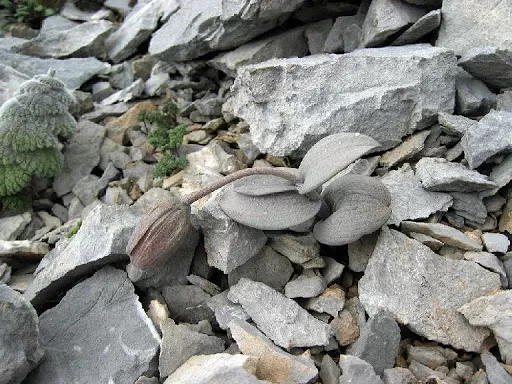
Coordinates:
x,y
348,208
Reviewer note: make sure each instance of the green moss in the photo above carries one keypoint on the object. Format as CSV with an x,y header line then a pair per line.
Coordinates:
x,y
74,230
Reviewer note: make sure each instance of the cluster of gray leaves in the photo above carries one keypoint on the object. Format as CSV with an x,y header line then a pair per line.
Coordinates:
x,y
348,208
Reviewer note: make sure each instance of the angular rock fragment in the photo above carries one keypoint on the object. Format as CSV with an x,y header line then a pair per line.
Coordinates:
x,y
441,175
102,239
501,174
409,200
409,147
331,301
470,206
495,371
422,27
493,311
490,262
297,248
100,327
305,286
332,270
360,251
20,340
280,318
378,342
301,105
329,370
187,303
429,241
274,364
473,97
399,376
355,370
12,226
431,356
456,125
225,310
496,242
492,65
179,343
403,277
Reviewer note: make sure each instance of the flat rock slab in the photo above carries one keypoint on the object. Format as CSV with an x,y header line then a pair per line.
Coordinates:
x,y
199,27
20,340
98,328
425,25
477,24
225,310
291,103
490,64
12,226
441,175
424,290
493,312
102,239
279,318
274,364
409,200
356,370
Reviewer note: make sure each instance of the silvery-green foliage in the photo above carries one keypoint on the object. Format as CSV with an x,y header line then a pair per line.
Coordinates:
x,y
357,205
30,126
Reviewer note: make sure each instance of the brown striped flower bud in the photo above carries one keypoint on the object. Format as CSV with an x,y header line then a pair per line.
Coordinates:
x,y
159,234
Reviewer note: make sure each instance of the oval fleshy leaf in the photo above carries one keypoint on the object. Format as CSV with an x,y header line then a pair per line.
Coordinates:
x,y
269,212
331,155
361,205
260,185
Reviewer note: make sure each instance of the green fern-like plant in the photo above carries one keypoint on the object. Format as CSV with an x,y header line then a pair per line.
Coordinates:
x,y
166,138
31,12
30,126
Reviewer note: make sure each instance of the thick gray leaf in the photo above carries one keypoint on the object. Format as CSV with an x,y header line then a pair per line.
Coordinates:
x,y
361,205
331,155
269,212
260,185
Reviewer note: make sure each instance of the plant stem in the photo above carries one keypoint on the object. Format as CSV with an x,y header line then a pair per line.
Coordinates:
x,y
279,172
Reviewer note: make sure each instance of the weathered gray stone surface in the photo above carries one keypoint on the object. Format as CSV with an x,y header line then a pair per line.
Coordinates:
x,y
83,40
424,290
493,312
298,248
464,28
490,64
501,174
274,364
179,343
305,286
102,239
378,342
469,206
228,243
492,135
187,303
10,80
496,242
422,27
455,125
387,17
12,226
20,341
409,200
409,147
399,376
73,72
448,235
131,92
280,318
441,175
225,310
268,267
330,301
99,326
81,155
136,28
473,97
218,368
495,371
360,251
355,370
198,28
300,105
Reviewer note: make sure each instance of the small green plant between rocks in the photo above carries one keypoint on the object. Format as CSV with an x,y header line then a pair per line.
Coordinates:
x,y
166,137
30,12
73,231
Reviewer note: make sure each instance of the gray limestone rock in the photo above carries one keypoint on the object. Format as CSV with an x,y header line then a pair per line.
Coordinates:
x,y
316,35
493,311
280,318
409,200
83,40
198,28
429,241
422,27
179,343
492,65
72,72
187,303
490,262
268,267
329,370
225,310
464,28
441,175
332,270
473,98
292,43
305,286
378,342
399,376
298,248
470,206
409,147
103,111
496,242
274,364
10,81
301,105
331,301
495,371
81,155
102,239
386,18
355,370
228,244
424,290
360,251
99,326
12,226
456,125
20,340
136,28
492,135
504,102
131,92
448,235
431,356
501,174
